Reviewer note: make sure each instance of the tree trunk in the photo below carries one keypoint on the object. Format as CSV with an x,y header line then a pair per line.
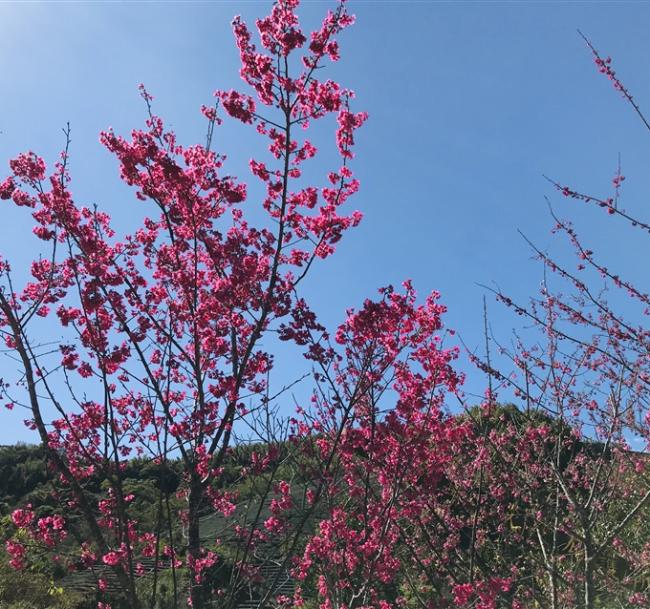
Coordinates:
x,y
588,571
198,591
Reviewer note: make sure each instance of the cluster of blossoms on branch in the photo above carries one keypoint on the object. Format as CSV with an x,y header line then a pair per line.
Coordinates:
x,y
47,532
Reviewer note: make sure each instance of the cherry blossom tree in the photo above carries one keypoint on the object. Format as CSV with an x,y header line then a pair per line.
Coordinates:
x,y
588,369
394,375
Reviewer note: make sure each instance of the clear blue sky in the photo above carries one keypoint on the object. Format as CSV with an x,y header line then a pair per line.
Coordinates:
x,y
469,102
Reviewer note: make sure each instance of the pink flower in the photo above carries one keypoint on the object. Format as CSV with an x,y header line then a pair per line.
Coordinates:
x,y
23,518
112,559
28,166
17,552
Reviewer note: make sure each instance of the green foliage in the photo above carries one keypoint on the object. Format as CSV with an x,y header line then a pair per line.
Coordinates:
x,y
34,590
22,472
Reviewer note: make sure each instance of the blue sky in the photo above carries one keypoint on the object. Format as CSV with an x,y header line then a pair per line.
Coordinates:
x,y
470,105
